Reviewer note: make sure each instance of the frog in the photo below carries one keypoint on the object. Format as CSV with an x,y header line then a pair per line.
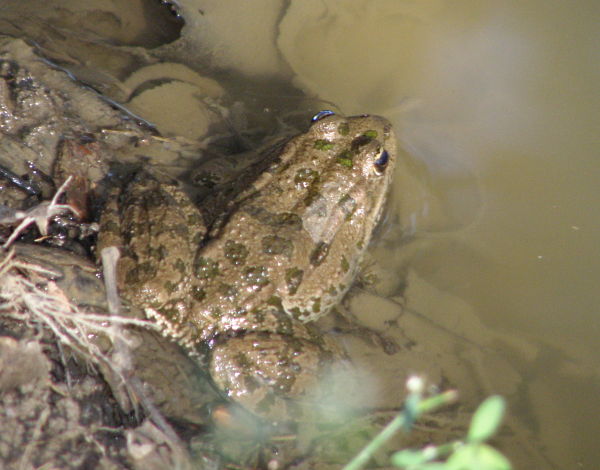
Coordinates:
x,y
278,250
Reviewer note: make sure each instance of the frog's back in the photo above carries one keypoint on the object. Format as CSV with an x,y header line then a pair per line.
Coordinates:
x,y
291,245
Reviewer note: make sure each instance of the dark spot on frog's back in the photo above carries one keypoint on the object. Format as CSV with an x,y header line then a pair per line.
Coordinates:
x,y
198,293
305,177
206,268
360,141
178,230
228,291
319,254
256,277
284,322
109,226
276,245
140,273
170,287
194,219
344,128
235,252
348,205
151,200
293,279
280,219
345,265
180,266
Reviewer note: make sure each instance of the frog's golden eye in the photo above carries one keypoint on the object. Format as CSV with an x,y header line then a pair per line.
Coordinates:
x,y
381,163
322,114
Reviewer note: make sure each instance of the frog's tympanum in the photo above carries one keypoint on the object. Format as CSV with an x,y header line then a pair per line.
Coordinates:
x,y
281,253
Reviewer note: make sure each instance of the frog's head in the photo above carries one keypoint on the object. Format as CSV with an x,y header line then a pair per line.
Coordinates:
x,y
342,170
362,157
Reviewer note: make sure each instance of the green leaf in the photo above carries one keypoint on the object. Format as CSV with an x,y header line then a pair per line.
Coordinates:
x,y
477,457
408,457
487,419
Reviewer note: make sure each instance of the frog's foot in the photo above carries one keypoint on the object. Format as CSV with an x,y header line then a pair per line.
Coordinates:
x,y
272,375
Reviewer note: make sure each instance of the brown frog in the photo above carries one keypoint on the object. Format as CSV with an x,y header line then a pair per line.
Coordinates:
x,y
280,254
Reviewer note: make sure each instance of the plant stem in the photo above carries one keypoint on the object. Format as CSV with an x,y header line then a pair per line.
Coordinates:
x,y
428,404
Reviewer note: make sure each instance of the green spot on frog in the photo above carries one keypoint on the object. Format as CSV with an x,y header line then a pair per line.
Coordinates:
x,y
345,159
323,144
371,134
316,306
235,252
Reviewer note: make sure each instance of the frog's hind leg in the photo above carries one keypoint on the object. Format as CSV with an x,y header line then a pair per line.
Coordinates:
x,y
271,374
157,228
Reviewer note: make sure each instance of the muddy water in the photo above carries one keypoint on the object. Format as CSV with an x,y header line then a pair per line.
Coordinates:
x,y
497,104
489,261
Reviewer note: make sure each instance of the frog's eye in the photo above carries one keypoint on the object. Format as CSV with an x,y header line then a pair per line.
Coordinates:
x,y
381,162
322,114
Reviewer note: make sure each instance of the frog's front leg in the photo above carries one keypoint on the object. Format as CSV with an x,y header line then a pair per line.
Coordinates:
x,y
272,374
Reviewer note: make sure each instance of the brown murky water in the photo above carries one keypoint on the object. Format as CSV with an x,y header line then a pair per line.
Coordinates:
x,y
490,262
